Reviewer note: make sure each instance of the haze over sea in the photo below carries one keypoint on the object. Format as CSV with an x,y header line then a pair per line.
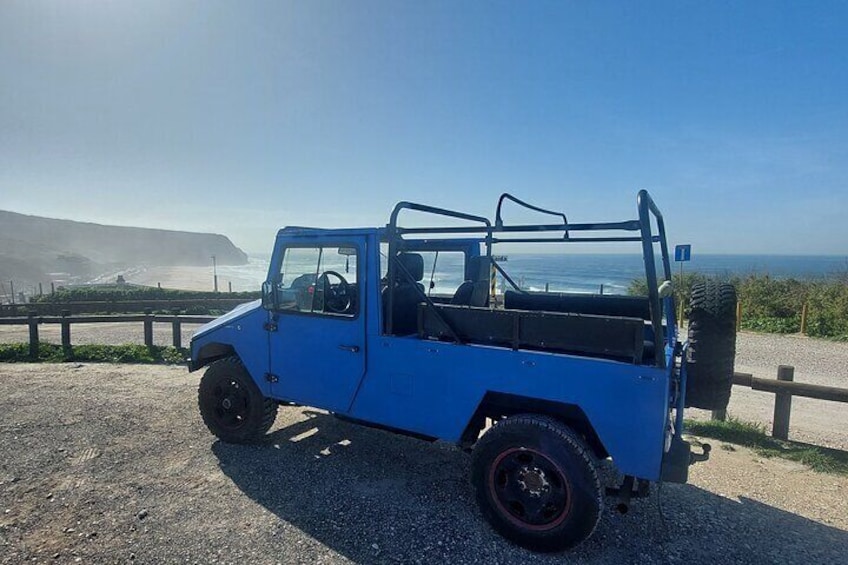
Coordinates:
x,y
586,272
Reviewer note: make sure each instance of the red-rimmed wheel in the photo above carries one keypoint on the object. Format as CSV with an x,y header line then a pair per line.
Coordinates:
x,y
536,483
232,406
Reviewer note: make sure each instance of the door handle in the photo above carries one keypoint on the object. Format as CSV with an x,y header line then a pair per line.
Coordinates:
x,y
351,348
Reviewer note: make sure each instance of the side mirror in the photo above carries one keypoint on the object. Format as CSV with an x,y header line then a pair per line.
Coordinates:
x,y
269,297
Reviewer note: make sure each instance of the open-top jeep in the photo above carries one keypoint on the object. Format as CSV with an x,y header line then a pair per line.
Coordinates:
x,y
540,387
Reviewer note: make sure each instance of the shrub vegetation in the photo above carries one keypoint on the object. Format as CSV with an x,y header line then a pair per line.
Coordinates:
x,y
129,353
132,293
774,305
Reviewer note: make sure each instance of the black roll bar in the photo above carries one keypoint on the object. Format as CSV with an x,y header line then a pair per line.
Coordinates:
x,y
507,196
646,208
393,236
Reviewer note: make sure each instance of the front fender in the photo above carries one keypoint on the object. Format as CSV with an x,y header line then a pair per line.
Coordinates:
x,y
240,332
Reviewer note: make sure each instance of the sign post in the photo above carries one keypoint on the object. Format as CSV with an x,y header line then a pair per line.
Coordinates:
x,y
493,277
682,253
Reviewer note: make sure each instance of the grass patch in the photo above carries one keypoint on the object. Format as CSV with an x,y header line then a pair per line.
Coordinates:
x,y
129,353
821,459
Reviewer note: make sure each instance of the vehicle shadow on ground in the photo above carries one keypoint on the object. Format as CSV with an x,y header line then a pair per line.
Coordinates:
x,y
377,497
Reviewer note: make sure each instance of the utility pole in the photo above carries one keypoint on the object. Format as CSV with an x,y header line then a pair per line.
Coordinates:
x,y
215,273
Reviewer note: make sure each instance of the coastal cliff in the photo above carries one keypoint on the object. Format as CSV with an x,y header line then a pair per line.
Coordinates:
x,y
32,247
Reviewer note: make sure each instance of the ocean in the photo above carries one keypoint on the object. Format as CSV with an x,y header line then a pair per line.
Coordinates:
x,y
584,272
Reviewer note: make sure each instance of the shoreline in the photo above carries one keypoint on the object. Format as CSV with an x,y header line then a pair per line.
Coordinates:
x,y
246,277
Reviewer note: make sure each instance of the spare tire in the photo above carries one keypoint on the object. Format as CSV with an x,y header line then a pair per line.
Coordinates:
x,y
712,345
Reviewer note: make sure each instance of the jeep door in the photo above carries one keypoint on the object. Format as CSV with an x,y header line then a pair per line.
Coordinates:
x,y
317,337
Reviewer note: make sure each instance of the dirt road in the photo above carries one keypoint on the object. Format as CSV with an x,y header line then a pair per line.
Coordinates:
x,y
106,463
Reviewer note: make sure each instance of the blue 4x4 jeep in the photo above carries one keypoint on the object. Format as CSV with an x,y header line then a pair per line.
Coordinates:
x,y
539,387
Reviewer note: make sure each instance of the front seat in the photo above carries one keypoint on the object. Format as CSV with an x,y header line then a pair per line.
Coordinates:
x,y
408,293
475,290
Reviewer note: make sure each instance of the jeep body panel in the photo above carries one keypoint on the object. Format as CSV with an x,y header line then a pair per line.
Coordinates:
x,y
241,331
319,360
433,389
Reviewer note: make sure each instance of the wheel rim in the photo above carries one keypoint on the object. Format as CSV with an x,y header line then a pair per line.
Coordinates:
x,y
529,489
231,404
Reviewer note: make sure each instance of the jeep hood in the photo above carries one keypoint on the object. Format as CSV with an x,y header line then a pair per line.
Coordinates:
x,y
234,314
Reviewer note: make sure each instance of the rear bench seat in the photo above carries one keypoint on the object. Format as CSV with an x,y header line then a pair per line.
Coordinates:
x,y
600,305
611,337
596,304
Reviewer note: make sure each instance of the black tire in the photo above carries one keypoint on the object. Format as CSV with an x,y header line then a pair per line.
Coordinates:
x,y
231,405
536,483
712,345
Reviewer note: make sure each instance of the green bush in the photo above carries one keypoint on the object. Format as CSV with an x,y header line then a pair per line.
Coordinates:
x,y
774,305
129,353
132,293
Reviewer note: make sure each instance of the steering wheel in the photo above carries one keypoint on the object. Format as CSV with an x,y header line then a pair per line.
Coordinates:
x,y
337,298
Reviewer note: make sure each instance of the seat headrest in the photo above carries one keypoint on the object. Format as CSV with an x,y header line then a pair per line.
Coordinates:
x,y
411,263
478,268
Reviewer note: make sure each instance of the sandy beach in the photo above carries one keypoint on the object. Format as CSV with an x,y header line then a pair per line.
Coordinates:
x,y
183,278
239,278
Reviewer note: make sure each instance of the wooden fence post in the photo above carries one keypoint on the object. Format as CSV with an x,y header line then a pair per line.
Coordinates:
x,y
804,319
176,329
66,332
148,327
33,336
493,281
782,404
738,315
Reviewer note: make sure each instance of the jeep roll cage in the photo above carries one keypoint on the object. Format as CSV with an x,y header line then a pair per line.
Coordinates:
x,y
502,233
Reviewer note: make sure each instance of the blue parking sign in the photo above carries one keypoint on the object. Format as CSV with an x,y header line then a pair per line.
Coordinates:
x,y
682,252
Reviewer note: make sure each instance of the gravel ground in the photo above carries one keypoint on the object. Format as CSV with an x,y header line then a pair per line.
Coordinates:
x,y
815,361
121,469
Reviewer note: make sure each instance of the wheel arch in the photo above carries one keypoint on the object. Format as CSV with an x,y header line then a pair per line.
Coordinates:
x,y
498,405
210,352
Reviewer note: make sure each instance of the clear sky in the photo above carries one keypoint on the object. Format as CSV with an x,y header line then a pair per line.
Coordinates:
x,y
242,117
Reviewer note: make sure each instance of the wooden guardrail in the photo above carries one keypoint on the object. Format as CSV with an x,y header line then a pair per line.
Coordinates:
x,y
223,303
66,320
784,388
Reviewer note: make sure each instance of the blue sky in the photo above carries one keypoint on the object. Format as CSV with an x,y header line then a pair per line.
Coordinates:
x,y
241,117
